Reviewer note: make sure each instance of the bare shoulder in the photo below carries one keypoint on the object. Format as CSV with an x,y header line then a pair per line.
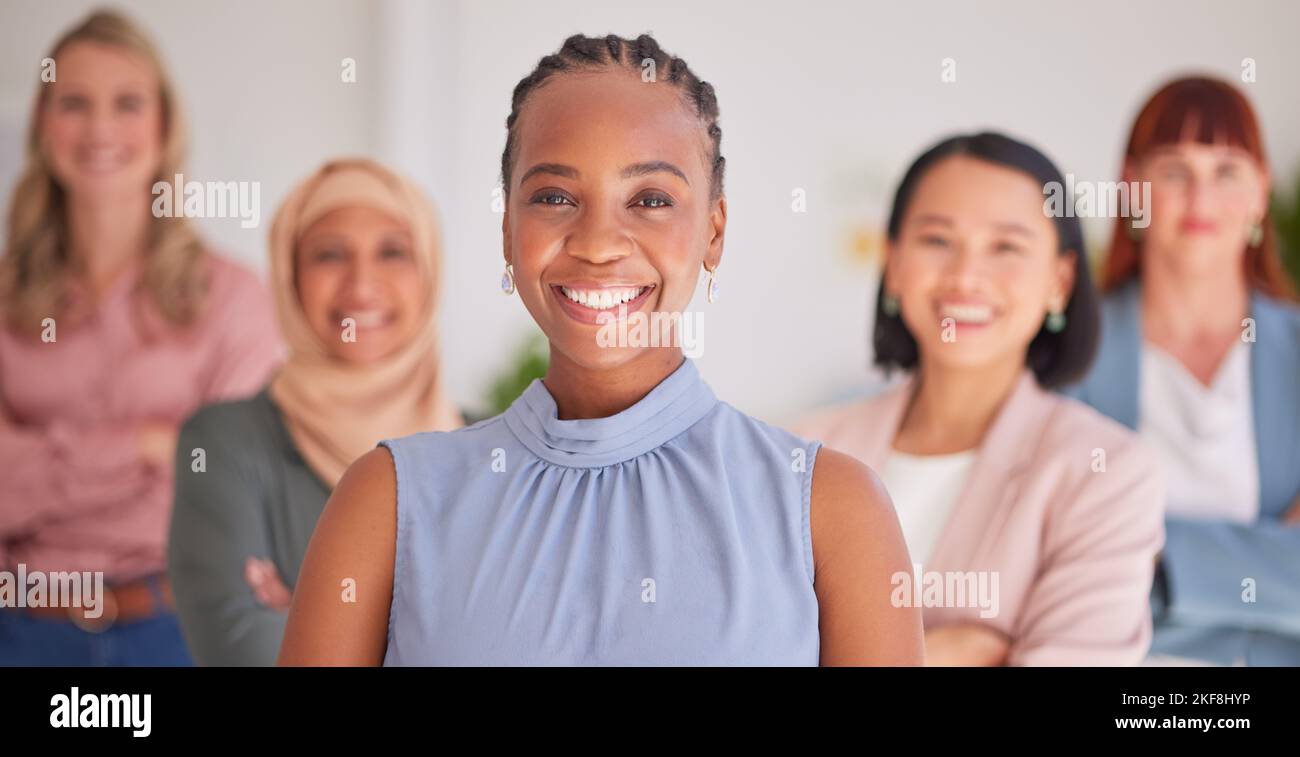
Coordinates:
x,y
849,505
371,474
363,507
858,550
339,614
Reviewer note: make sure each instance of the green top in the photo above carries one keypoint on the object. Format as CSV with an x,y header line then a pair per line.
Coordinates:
x,y
254,496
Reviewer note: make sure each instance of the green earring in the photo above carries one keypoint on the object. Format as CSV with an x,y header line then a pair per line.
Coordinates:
x,y
889,303
1256,237
1055,321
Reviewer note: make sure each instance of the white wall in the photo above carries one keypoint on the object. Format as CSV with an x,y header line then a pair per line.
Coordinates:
x,y
259,82
833,98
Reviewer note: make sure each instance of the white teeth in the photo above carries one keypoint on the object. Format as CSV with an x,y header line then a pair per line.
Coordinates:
x,y
368,319
967,313
101,158
603,299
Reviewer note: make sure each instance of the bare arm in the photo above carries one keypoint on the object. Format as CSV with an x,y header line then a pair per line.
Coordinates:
x,y
355,539
857,548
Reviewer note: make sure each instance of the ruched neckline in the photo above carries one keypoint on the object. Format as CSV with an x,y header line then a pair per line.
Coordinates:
x,y
672,407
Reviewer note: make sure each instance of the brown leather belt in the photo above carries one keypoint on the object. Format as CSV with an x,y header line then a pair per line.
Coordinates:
x,y
123,603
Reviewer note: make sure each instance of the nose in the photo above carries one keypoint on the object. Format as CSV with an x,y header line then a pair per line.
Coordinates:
x,y
100,120
362,283
598,237
99,124
1201,200
964,266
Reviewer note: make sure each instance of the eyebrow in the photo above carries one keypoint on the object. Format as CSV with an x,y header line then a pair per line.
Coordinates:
x,y
1012,227
557,169
333,237
632,171
933,218
1172,151
654,166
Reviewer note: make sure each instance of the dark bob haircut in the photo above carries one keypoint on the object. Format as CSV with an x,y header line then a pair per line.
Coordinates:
x,y
1057,359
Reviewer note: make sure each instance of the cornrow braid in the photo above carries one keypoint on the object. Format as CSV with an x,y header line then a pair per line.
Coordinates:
x,y
580,52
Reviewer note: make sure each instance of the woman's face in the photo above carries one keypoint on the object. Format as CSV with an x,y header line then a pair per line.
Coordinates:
x,y
1204,201
101,121
359,263
609,203
975,265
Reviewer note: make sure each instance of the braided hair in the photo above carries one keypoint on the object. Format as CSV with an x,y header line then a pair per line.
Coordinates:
x,y
580,52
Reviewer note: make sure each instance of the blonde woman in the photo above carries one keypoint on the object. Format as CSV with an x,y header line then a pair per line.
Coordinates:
x,y
117,325
353,240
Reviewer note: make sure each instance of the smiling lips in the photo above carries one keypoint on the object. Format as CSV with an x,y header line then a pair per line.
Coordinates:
x,y
101,159
1199,226
585,303
967,313
603,299
367,319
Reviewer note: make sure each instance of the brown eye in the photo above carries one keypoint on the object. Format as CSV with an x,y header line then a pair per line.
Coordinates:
x,y
654,201
130,103
72,103
1173,172
551,197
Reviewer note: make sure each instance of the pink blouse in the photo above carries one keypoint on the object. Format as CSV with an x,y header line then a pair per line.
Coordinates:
x,y
74,493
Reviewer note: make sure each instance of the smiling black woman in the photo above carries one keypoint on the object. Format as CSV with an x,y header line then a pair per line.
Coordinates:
x,y
631,518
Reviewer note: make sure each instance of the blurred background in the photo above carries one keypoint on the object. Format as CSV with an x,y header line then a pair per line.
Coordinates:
x,y
831,98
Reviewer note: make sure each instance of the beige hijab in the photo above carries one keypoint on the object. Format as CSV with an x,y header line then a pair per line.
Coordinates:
x,y
337,411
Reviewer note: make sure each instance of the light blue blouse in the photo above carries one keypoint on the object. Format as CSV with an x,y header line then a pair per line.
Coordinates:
x,y
673,533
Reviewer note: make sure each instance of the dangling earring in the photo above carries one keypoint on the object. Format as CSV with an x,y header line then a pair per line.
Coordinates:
x,y
890,304
1256,236
1055,321
508,280
711,290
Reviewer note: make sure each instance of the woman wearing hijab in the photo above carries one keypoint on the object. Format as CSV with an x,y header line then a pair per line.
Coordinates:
x,y
354,262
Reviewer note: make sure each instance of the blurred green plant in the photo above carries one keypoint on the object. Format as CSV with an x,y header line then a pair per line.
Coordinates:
x,y
527,362
1285,210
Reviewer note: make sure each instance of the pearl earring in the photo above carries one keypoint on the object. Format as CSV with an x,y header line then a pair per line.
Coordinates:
x,y
508,280
712,290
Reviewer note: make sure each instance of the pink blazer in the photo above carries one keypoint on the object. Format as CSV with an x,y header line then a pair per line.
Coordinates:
x,y
1072,541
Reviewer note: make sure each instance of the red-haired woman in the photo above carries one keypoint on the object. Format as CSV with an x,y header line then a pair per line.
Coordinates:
x,y
1200,353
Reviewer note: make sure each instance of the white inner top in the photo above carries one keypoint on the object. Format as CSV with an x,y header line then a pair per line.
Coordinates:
x,y
924,489
1203,436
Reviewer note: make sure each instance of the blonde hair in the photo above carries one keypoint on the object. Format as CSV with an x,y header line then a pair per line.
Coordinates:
x,y
37,268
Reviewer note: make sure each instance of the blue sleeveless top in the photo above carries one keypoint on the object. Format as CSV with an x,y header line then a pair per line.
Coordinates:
x,y
673,533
